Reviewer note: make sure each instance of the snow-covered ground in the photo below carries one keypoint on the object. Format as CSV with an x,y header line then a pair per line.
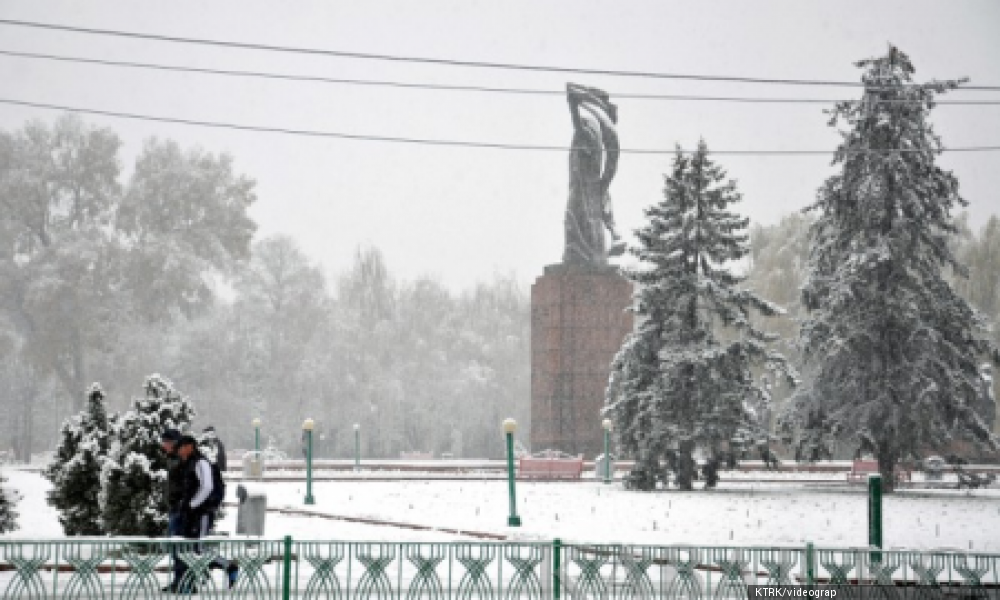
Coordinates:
x,y
736,513
383,473
733,514
38,520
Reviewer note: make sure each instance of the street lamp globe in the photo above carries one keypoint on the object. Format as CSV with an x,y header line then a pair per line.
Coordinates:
x,y
607,424
308,424
357,427
256,422
509,425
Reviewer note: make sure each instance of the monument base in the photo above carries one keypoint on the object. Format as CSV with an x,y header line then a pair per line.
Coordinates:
x,y
578,323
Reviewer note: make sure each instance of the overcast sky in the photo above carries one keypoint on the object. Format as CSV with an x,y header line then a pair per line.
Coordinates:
x,y
462,214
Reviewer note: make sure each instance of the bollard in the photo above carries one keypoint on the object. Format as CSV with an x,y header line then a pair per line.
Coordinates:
x,y
253,465
604,466
251,512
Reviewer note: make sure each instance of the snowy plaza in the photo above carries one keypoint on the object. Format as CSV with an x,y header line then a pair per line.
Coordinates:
x,y
449,300
429,534
735,514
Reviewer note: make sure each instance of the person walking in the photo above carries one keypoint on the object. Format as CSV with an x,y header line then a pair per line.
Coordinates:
x,y
200,499
175,490
212,437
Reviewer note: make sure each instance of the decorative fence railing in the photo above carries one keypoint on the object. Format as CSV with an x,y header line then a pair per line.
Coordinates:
x,y
137,569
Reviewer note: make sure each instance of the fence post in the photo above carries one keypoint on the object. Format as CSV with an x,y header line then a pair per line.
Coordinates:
x,y
810,564
286,587
556,568
875,515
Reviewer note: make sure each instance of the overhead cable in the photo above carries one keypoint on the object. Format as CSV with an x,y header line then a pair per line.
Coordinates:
x,y
441,142
432,61
446,87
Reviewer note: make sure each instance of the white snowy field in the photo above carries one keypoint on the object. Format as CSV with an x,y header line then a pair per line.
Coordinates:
x,y
734,514
38,520
295,474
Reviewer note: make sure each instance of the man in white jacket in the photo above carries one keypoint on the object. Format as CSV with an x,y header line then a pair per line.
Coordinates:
x,y
196,517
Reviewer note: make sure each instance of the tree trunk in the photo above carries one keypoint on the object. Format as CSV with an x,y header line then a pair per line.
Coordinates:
x,y
29,431
79,378
887,468
26,427
645,471
685,466
72,381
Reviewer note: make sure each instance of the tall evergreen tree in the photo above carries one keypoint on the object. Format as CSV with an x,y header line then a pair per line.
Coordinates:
x,y
891,348
134,476
681,380
8,503
75,471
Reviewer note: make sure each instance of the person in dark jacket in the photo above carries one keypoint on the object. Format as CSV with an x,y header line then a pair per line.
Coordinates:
x,y
196,521
175,490
220,449
168,442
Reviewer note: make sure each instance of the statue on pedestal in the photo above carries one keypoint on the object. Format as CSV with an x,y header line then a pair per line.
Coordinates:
x,y
593,161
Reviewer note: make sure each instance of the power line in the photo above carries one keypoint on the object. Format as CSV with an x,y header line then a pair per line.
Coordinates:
x,y
439,142
444,87
432,61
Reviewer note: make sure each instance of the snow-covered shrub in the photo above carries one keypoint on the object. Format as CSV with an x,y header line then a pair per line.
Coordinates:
x,y
8,503
75,471
134,476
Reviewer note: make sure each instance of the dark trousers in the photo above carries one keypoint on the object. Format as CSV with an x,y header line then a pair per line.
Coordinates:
x,y
174,529
195,527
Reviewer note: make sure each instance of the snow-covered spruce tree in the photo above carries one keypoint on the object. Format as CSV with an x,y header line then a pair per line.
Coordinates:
x,y
681,380
133,477
69,446
8,503
75,471
892,350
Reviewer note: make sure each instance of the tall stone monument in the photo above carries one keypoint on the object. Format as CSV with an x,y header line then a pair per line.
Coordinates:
x,y
578,316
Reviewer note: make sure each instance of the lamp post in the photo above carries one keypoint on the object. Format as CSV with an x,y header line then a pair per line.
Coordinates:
x,y
357,447
607,424
509,426
256,435
307,426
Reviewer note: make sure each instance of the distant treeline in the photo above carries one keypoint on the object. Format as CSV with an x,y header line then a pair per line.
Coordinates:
x,y
417,367
108,275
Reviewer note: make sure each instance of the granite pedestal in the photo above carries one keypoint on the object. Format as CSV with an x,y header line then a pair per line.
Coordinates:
x,y
578,323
